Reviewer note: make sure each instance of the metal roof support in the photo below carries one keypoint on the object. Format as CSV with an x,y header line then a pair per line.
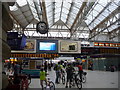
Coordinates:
x,y
115,35
100,12
61,10
15,18
53,6
22,12
102,22
36,7
44,15
69,12
80,11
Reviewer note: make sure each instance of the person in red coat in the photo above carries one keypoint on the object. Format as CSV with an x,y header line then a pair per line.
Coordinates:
x,y
79,65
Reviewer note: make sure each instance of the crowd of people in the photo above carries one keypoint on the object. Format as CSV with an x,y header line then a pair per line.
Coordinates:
x,y
60,68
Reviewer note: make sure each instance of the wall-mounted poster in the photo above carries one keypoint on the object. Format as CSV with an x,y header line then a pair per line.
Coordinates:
x,y
30,47
69,46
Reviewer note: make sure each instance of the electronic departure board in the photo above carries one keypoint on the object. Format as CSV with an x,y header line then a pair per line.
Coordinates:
x,y
102,44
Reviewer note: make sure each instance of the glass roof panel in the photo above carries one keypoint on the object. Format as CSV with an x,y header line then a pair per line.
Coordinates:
x,y
75,10
56,19
57,10
58,5
103,2
21,2
13,8
77,4
65,11
66,5
112,7
95,13
98,7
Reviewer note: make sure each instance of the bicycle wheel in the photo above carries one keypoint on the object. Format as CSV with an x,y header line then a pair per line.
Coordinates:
x,y
83,78
79,84
52,85
29,79
63,79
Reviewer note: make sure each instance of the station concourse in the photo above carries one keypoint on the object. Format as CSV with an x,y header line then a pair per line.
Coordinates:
x,y
54,36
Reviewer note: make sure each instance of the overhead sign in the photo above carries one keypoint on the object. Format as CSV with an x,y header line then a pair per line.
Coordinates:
x,y
35,55
102,44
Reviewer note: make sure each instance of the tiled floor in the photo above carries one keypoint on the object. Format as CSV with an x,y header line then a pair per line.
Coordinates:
x,y
95,79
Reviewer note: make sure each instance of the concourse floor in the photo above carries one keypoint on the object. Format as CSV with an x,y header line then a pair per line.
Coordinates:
x,y
95,79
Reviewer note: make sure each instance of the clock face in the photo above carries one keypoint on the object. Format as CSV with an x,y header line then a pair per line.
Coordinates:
x,y
42,27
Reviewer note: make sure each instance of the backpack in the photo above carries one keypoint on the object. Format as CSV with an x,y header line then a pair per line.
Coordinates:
x,y
57,67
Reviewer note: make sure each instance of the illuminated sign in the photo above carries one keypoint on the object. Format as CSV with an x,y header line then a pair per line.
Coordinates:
x,y
101,44
35,55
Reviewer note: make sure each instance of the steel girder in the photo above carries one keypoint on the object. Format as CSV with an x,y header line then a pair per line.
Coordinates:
x,y
100,13
69,12
38,11
80,11
93,32
82,17
44,15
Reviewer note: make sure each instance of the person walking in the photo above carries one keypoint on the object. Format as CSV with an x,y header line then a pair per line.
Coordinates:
x,y
16,69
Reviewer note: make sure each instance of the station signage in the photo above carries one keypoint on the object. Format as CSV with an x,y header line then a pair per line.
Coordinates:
x,y
35,55
102,44
112,51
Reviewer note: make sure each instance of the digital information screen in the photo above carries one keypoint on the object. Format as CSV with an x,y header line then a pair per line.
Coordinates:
x,y
47,46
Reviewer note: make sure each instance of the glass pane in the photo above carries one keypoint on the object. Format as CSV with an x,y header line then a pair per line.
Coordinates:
x,y
75,9
103,2
13,8
58,4
65,11
95,13
78,5
57,15
98,7
56,19
21,2
90,17
66,5
57,10
112,7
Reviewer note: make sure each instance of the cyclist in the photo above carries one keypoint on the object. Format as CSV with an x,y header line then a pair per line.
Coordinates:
x,y
57,69
80,71
69,71
43,77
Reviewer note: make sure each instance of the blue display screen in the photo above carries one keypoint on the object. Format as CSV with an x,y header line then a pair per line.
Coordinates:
x,y
47,46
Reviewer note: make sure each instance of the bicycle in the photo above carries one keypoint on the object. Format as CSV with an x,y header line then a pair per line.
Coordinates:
x,y
76,80
62,77
50,85
19,82
84,77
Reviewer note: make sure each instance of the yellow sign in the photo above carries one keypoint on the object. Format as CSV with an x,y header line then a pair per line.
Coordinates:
x,y
35,55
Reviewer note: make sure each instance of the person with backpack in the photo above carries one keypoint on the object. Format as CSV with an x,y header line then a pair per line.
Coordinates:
x,y
69,70
57,69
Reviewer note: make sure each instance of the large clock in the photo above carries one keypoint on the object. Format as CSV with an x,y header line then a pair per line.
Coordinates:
x,y
42,27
